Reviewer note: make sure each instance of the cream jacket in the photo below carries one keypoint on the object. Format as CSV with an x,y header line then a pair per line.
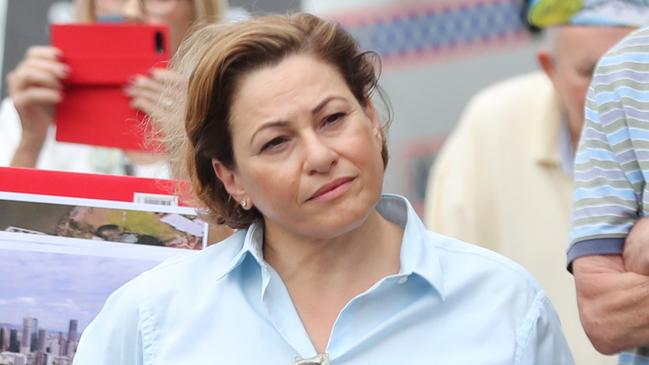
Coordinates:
x,y
498,182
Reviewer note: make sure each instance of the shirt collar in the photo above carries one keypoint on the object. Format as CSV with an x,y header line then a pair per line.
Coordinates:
x,y
252,238
418,255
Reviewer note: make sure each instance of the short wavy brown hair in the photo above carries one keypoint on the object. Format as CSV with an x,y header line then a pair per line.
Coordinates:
x,y
215,58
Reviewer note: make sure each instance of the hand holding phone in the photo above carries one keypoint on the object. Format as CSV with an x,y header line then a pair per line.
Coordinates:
x,y
35,88
104,60
146,91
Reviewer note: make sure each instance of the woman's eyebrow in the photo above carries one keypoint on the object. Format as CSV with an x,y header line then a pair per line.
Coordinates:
x,y
273,124
325,101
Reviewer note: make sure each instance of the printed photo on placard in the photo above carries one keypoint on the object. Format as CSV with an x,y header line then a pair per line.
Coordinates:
x,y
79,218
51,298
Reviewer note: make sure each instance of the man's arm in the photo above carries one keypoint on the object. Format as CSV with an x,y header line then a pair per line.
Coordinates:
x,y
613,303
636,248
613,294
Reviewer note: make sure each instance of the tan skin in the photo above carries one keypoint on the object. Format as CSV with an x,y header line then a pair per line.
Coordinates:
x,y
570,65
289,141
612,292
613,303
35,86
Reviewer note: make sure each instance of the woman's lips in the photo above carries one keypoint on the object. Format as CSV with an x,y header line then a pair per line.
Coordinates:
x,y
332,189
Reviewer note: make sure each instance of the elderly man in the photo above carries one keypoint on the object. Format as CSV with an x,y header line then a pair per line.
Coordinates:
x,y
504,178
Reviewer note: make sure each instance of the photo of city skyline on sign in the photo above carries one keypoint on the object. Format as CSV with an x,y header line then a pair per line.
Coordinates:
x,y
50,298
56,288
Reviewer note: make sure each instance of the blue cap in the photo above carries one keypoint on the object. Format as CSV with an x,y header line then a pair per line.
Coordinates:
x,y
628,13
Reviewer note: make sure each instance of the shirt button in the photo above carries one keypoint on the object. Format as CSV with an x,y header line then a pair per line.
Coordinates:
x,y
402,280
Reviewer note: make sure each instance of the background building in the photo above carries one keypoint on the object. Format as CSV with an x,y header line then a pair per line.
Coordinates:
x,y
14,343
26,335
4,339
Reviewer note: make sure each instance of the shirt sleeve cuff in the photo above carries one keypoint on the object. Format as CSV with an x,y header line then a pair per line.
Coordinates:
x,y
595,246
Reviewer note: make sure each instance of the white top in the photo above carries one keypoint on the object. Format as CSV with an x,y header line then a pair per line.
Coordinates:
x,y
69,156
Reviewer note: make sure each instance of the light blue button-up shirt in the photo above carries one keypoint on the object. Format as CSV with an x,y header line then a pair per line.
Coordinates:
x,y
451,303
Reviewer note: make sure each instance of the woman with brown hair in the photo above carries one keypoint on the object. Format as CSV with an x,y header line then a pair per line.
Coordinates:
x,y
281,141
35,88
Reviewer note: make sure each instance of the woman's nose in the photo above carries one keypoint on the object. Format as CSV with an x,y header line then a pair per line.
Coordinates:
x,y
319,157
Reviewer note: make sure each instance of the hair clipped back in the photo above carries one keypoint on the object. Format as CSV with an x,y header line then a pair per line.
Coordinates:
x,y
215,58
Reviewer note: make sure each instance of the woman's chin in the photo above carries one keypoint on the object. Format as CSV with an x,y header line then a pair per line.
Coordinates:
x,y
338,224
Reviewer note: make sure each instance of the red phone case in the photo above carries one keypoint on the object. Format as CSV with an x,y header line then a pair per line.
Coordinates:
x,y
102,59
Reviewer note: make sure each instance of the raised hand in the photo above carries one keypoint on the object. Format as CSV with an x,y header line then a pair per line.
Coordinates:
x,y
35,87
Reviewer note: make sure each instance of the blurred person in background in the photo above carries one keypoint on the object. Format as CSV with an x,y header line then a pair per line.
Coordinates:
x,y
35,87
504,178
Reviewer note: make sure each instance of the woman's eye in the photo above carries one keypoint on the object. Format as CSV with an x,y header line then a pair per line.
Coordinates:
x,y
274,144
334,118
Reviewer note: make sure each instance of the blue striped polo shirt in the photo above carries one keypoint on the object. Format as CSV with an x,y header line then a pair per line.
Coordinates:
x,y
612,161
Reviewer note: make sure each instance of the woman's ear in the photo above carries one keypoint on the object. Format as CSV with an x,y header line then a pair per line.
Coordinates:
x,y
230,180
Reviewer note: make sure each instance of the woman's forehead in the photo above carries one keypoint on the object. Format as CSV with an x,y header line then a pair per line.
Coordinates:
x,y
295,78
297,84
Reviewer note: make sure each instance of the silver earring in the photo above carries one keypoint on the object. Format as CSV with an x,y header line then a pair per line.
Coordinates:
x,y
244,204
